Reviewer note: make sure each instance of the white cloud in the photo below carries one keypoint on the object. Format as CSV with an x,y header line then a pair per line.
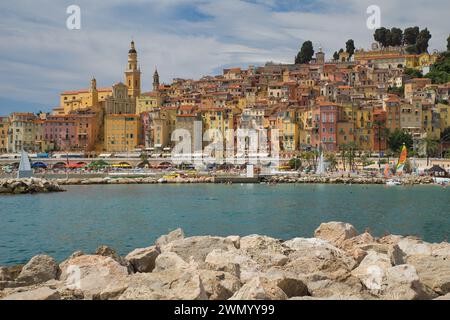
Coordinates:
x,y
40,57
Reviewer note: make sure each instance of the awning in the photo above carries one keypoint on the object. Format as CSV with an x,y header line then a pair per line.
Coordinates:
x,y
121,165
39,165
75,166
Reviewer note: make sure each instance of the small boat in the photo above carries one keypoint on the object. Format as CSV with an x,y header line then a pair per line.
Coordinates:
x,y
393,182
442,181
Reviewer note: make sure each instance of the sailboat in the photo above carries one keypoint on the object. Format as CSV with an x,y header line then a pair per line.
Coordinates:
x,y
402,161
24,166
321,165
387,171
400,168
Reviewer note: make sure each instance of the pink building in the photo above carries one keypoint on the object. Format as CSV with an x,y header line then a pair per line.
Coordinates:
x,y
324,135
60,132
72,132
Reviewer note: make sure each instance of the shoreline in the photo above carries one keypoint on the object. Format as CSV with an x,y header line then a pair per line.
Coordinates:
x,y
11,186
408,180
337,263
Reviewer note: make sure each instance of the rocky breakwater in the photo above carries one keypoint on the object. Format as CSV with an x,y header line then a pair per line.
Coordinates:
x,y
118,181
406,180
338,263
29,185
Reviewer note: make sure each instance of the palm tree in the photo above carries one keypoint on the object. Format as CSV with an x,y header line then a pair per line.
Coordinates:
x,y
144,159
343,147
431,147
331,159
351,154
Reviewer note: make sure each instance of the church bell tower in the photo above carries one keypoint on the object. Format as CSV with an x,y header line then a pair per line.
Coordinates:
x,y
133,73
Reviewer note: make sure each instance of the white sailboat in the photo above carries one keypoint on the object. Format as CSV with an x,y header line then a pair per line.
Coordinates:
x,y
321,165
25,170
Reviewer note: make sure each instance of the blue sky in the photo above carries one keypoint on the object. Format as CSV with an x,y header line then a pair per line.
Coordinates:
x,y
39,57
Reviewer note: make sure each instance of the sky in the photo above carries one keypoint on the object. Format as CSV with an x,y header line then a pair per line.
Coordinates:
x,y
40,57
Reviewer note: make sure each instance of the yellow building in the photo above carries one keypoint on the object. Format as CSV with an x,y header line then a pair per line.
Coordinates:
x,y
122,132
147,102
218,118
4,127
161,130
288,127
431,121
305,126
444,111
91,98
363,129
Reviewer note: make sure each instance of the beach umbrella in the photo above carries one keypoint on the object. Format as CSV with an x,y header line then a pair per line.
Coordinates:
x,y
39,165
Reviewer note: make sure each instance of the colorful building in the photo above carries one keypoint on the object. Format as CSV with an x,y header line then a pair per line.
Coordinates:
x,y
4,127
122,132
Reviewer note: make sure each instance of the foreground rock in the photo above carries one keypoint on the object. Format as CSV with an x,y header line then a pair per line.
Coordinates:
x,y
96,276
338,264
39,269
143,260
28,185
335,232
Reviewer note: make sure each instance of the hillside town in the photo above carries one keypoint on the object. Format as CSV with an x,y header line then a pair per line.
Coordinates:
x,y
355,100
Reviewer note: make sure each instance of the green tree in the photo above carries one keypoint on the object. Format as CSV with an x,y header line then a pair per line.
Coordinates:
x,y
336,56
423,41
411,49
308,156
144,159
410,36
399,91
440,71
448,43
445,135
413,73
397,138
331,159
350,47
431,147
306,53
382,35
396,37
295,163
348,154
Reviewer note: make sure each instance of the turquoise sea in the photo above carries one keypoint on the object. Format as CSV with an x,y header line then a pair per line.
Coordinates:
x,y
132,216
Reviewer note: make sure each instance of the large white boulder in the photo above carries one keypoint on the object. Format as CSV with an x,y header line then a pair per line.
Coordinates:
x,y
335,232
94,276
372,270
